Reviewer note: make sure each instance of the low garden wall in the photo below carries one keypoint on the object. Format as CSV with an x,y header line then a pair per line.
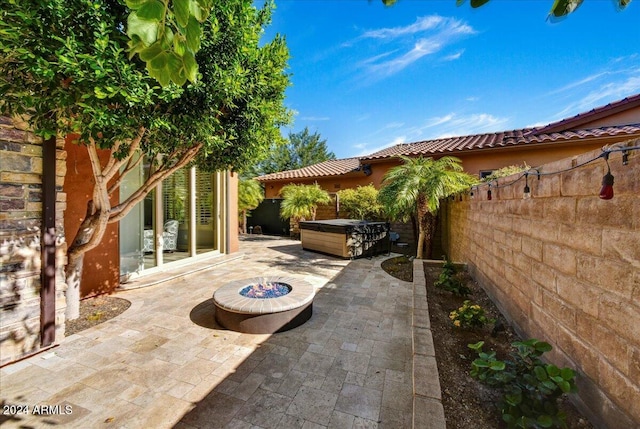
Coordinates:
x,y
564,267
21,218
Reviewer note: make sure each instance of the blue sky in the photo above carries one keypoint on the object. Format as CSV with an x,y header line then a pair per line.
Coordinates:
x,y
365,76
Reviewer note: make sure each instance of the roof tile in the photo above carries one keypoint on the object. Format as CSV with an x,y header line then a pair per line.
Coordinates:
x,y
455,145
332,167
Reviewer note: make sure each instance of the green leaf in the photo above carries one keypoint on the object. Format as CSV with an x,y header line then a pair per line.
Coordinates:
x,y
147,31
181,11
553,370
540,372
564,386
99,93
152,11
481,363
478,3
564,7
545,421
567,373
197,11
151,52
497,365
542,346
513,399
477,346
135,4
193,33
190,66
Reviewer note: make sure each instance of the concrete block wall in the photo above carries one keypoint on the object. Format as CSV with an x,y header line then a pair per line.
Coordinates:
x,y
20,223
565,267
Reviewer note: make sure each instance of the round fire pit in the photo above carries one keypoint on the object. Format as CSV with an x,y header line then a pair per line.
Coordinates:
x,y
264,305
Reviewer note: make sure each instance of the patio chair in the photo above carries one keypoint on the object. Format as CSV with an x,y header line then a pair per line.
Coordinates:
x,y
147,241
170,236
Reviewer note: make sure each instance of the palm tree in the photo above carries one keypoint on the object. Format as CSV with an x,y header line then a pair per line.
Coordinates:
x,y
301,201
416,188
250,195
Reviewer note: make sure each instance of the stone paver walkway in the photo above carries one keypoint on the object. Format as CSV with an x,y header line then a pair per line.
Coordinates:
x,y
165,363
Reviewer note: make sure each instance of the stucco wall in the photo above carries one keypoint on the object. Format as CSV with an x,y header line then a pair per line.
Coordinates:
x,y
20,225
565,267
473,162
233,224
101,269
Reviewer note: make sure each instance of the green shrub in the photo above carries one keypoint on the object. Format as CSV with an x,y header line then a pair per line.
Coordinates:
x,y
451,281
530,387
469,316
360,203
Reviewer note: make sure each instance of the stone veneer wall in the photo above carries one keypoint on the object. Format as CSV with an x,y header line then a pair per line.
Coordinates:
x,y
20,221
564,266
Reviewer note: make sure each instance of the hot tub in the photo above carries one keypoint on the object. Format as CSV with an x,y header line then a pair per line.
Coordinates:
x,y
346,238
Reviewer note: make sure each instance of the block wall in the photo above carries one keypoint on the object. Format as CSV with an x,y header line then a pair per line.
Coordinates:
x,y
20,222
564,266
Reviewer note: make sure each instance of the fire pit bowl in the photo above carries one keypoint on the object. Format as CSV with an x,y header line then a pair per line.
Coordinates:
x,y
264,305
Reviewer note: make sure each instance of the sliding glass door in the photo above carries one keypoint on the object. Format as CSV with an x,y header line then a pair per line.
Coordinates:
x,y
180,217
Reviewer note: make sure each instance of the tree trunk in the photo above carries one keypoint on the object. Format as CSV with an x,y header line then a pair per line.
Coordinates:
x,y
88,237
73,273
244,221
420,244
430,227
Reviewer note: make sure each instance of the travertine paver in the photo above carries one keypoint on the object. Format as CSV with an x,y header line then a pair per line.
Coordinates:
x,y
165,362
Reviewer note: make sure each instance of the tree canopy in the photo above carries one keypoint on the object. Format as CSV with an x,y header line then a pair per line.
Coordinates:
x,y
360,203
64,65
416,188
250,195
299,150
301,201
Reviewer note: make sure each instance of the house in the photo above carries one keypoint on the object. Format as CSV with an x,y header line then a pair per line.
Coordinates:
x,y
481,153
189,214
44,189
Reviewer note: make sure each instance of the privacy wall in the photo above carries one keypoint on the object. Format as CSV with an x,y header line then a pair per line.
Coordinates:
x,y
21,220
564,266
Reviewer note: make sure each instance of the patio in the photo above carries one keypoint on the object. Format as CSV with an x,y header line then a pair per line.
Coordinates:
x,y
166,363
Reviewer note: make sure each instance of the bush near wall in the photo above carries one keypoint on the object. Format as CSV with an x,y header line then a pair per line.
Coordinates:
x,y
564,266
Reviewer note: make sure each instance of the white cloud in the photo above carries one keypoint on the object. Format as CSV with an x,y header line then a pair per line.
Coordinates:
x,y
537,125
453,57
453,125
437,127
427,36
315,118
396,140
616,80
606,92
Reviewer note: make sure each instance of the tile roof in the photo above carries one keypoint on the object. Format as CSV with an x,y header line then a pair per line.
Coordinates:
x,y
332,167
503,139
566,130
594,114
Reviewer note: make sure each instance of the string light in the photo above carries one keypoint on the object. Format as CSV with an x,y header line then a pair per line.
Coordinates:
x,y
527,191
606,192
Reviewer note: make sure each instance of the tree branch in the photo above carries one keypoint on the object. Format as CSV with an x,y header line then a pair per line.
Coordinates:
x,y
130,166
113,167
121,210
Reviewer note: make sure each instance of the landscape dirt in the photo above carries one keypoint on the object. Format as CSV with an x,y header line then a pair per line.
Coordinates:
x,y
95,310
468,404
